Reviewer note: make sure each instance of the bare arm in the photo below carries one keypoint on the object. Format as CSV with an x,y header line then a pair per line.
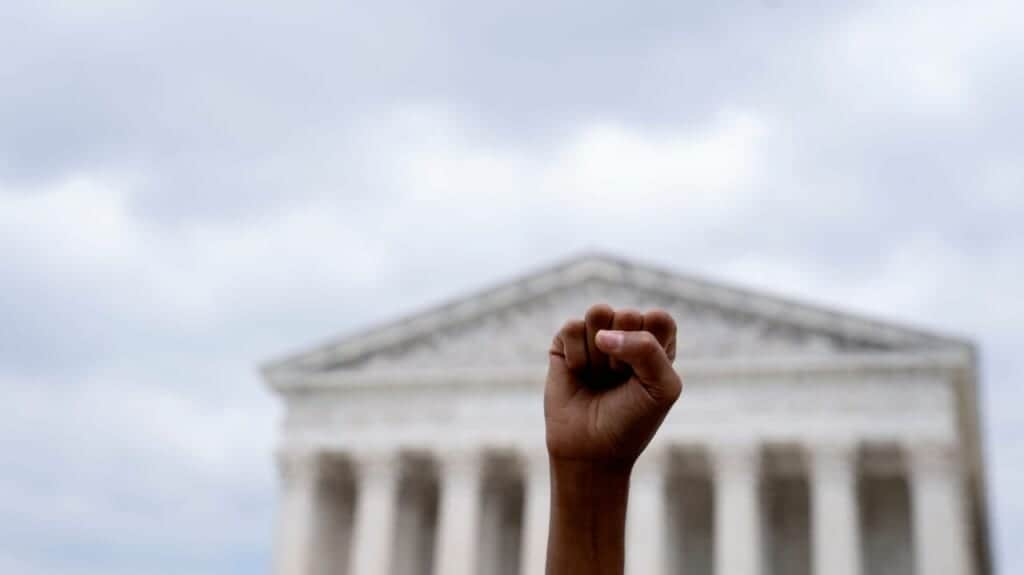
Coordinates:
x,y
604,400
588,519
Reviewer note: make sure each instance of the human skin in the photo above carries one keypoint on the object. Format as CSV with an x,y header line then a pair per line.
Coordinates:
x,y
609,386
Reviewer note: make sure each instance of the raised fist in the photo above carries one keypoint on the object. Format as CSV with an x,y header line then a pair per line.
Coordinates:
x,y
610,384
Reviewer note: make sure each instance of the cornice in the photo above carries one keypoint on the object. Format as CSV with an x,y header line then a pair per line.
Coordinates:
x,y
602,268
937,362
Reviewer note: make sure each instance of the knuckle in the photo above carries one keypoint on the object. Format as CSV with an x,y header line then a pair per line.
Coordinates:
x,y
668,390
677,386
647,343
666,316
670,350
570,328
556,344
599,312
629,319
671,389
664,319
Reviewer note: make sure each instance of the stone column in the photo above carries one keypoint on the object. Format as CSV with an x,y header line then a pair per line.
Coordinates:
x,y
835,517
736,469
536,513
458,513
295,552
376,502
647,519
938,503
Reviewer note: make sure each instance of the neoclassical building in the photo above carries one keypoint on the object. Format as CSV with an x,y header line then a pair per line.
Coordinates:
x,y
806,441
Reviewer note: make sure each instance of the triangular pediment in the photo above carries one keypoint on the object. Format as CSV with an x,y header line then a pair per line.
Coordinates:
x,y
512,324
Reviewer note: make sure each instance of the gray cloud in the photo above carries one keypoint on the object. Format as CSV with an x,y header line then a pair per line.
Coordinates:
x,y
188,189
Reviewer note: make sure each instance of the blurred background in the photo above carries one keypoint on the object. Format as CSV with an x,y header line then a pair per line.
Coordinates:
x,y
189,188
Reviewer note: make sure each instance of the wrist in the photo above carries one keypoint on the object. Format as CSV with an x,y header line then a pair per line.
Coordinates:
x,y
589,490
588,516
605,473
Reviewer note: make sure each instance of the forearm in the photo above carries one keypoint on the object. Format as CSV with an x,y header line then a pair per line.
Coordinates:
x,y
588,518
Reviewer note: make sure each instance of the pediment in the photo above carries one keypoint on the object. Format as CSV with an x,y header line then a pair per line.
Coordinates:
x,y
512,324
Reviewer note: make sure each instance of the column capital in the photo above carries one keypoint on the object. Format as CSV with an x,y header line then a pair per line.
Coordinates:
x,y
833,457
933,459
536,463
460,462
297,467
652,463
735,458
375,465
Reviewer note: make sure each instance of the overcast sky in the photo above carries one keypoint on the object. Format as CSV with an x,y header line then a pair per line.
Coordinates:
x,y
190,188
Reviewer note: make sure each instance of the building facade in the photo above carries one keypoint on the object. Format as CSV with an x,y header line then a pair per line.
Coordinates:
x,y
806,441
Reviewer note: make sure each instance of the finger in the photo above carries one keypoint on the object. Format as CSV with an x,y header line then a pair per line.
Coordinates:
x,y
598,317
573,334
567,355
643,352
663,327
625,320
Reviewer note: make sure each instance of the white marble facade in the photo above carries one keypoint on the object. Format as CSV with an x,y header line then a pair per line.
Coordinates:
x,y
806,441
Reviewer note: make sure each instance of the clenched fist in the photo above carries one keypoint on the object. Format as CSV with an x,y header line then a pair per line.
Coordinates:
x,y
610,384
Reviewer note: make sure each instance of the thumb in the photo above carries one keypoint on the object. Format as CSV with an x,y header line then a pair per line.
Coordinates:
x,y
642,351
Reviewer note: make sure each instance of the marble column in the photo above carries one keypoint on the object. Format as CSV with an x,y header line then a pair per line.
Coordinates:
x,y
835,516
736,468
458,513
938,502
536,513
295,551
376,501
646,518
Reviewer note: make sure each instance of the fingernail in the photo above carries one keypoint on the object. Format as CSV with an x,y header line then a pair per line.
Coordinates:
x,y
611,340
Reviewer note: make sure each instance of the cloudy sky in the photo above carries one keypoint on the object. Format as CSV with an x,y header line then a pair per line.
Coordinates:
x,y
190,188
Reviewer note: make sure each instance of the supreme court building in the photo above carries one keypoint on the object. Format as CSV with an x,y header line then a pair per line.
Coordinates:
x,y
805,442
